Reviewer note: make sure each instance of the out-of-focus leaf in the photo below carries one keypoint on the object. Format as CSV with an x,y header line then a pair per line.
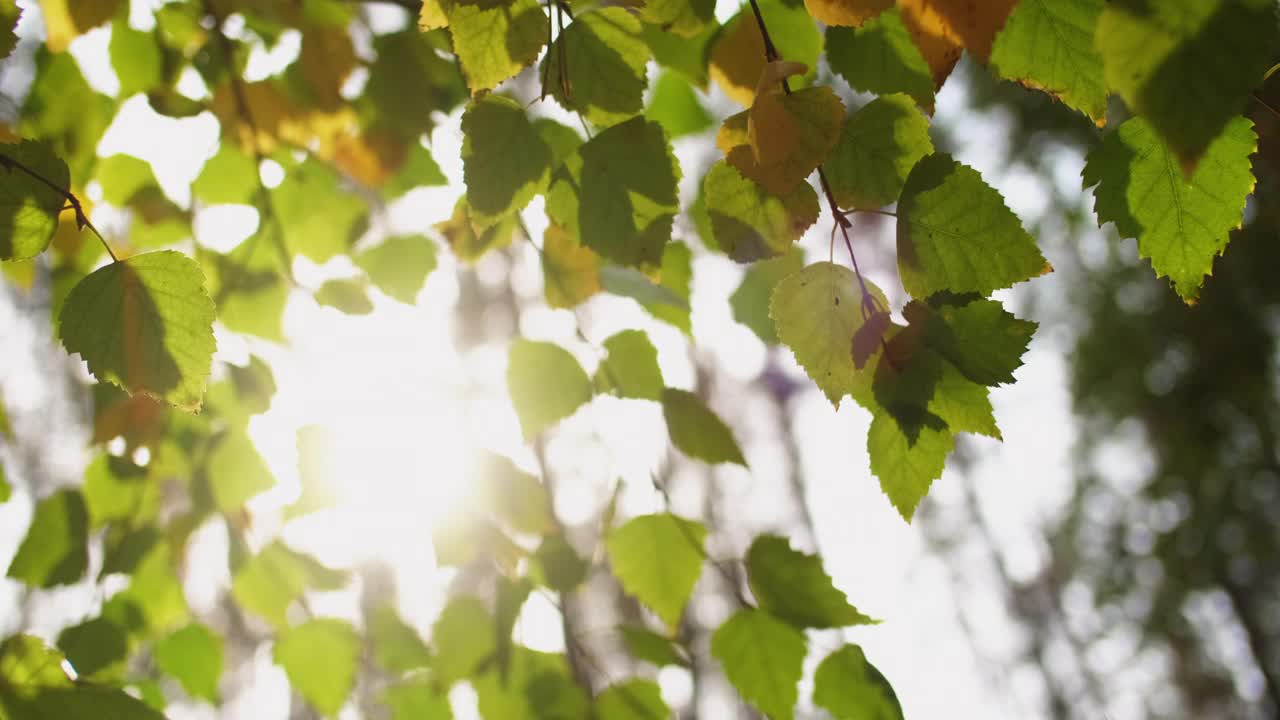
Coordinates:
x,y
697,430
767,679
320,658
658,559
55,550
546,384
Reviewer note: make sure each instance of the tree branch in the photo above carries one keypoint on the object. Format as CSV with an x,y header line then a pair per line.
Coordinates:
x,y
82,219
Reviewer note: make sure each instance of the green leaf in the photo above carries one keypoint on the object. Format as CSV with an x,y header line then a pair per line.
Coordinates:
x,y
416,700
229,177
1167,57
561,139
557,565
399,266
633,699
658,559
249,289
597,66
546,384
684,18
737,53
9,15
880,57
751,223
463,637
81,702
192,655
537,685
410,80
468,243
236,472
28,664
96,648
634,284
791,149
510,495
504,160
397,648
155,592
1181,223
880,144
419,170
630,369
626,193
750,302
116,489
347,295
6,489
317,216
982,339
851,688
906,469
123,176
320,657
956,234
649,646
316,473
570,272
495,39
792,586
817,312
136,58
269,582
55,550
1048,45
763,658
674,284
697,430
28,207
145,324
686,56
675,107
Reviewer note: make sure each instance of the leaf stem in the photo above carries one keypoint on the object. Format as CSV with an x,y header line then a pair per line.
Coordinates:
x,y
82,218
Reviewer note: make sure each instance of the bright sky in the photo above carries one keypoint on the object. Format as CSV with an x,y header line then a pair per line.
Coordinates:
x,y
406,411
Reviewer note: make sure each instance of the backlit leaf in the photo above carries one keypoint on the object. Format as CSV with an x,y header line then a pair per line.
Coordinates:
x,y
944,28
463,637
268,583
230,176
97,648
846,12
675,106
1048,45
495,39
751,223
631,700
55,550
1186,66
468,243
630,369
570,272
317,215
880,57
193,655
649,646
658,559
794,587
396,645
982,339
597,66
697,430
795,144
817,311
546,384
236,472
750,302
848,686
879,145
956,234
29,208
763,658
1182,223
347,295
9,14
399,265
906,469
683,18
417,699
320,657
504,160
737,54
136,58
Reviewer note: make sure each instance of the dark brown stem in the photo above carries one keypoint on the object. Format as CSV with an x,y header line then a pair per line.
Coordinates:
x,y
82,218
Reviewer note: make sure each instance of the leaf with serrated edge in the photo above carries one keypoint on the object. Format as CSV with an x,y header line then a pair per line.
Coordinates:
x,y
1181,223
145,324
494,41
750,223
879,145
570,272
796,147
737,52
603,70
763,658
846,12
1186,66
956,234
658,559
504,160
1048,44
28,207
817,311
630,369
943,28
794,587
906,469
750,302
879,57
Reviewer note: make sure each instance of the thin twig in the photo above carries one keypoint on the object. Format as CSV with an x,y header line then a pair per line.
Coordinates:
x,y
82,218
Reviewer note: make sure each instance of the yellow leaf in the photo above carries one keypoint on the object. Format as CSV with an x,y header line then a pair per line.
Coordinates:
x,y
737,59
794,135
771,130
369,158
850,13
941,29
432,16
65,20
277,119
570,272
326,59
